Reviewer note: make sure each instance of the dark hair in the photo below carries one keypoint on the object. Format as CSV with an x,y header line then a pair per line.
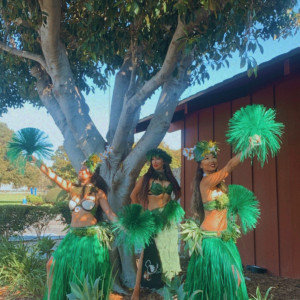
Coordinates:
x,y
143,194
98,181
197,203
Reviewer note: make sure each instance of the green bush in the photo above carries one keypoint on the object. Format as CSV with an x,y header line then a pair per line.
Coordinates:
x,y
33,199
45,246
56,194
16,218
62,209
22,270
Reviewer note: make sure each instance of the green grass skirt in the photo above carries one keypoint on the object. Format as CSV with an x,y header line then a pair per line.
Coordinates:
x,y
77,256
212,273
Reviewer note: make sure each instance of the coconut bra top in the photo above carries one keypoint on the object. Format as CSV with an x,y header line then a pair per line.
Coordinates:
x,y
83,198
219,201
158,189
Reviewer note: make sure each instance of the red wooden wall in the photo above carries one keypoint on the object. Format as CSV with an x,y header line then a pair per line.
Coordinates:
x,y
275,243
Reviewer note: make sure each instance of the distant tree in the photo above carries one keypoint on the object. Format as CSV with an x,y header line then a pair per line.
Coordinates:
x,y
9,173
62,165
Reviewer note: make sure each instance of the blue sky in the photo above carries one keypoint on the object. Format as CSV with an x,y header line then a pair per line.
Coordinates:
x,y
99,102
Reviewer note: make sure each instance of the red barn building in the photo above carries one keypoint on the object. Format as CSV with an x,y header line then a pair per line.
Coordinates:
x,y
275,243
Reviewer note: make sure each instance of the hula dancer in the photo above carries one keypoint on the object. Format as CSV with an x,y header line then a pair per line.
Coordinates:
x,y
85,249
215,268
150,223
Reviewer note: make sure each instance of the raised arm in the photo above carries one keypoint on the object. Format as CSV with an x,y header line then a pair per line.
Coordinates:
x,y
214,179
105,206
62,183
136,190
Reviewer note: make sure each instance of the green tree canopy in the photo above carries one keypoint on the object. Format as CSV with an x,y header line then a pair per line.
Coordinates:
x,y
62,165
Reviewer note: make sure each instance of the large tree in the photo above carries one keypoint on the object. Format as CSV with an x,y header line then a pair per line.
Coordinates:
x,y
49,49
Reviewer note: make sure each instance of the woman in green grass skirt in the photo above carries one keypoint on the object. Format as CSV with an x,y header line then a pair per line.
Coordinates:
x,y
159,260
215,269
85,249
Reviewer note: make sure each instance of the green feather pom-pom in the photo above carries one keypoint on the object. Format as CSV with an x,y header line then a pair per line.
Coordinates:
x,y
258,123
25,143
244,204
171,213
134,227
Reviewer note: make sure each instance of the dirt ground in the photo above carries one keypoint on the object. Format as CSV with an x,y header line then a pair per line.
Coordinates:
x,y
283,288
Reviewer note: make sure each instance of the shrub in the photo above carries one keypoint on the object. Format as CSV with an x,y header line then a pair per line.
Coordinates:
x,y
45,246
16,218
37,200
22,270
56,194
62,209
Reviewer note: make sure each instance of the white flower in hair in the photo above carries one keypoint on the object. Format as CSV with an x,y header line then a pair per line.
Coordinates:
x,y
188,153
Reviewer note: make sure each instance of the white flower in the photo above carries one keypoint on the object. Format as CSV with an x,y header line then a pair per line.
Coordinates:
x,y
188,153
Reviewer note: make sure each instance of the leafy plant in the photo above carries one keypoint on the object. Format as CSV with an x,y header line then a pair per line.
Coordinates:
x,y
175,288
17,218
22,270
259,295
87,290
33,199
45,246
62,209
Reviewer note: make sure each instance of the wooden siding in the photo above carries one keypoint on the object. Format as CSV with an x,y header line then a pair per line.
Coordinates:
x,y
275,243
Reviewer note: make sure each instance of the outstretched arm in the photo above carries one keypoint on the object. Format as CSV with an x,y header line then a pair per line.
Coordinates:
x,y
105,206
62,183
214,179
136,190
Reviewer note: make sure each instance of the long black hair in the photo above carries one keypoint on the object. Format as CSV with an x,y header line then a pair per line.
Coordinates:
x,y
197,202
143,194
98,181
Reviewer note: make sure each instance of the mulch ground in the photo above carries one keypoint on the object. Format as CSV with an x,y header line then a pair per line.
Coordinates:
x,y
283,288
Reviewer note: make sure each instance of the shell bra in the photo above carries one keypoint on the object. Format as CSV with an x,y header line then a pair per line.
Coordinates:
x,y
83,197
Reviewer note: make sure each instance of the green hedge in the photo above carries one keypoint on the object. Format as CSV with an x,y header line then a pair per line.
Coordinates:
x,y
16,218
37,200
56,194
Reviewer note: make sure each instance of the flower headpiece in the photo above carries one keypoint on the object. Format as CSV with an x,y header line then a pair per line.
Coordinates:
x,y
201,149
159,153
94,160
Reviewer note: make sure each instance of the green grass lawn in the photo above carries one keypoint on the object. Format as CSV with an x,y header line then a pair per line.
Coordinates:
x,y
12,198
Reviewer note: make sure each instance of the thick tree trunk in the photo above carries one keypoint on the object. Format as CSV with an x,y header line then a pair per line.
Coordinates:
x,y
75,154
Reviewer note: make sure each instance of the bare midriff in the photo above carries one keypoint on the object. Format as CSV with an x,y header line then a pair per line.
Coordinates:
x,y
158,201
82,219
215,220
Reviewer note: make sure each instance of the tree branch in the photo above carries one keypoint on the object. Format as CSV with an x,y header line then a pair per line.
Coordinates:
x,y
160,123
44,89
50,33
25,54
131,106
122,82
65,91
